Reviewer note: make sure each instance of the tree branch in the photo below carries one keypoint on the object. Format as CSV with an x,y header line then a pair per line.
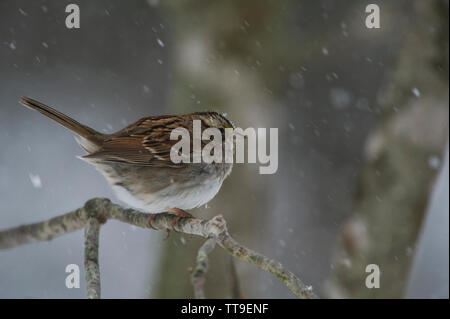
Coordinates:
x,y
91,235
98,210
234,280
198,275
45,230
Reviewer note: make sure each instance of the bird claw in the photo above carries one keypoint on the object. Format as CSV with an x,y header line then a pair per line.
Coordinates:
x,y
150,218
180,213
174,221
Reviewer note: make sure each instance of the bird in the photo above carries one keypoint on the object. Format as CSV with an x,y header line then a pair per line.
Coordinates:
x,y
136,160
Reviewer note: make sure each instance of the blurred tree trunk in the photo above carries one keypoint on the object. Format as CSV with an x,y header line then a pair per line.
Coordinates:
x,y
402,159
218,64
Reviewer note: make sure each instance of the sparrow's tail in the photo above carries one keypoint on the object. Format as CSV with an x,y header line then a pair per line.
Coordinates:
x,y
91,138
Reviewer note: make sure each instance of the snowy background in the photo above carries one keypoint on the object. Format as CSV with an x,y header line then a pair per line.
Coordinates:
x,y
322,77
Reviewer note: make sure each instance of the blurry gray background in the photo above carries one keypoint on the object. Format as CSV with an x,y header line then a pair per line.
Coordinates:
x,y
310,68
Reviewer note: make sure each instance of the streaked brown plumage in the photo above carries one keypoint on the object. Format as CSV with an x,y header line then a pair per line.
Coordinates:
x,y
136,160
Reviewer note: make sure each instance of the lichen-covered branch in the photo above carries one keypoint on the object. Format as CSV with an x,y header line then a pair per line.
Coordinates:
x,y
234,279
198,275
289,279
91,234
98,210
45,230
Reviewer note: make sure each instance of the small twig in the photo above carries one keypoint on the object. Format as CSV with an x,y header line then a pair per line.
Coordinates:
x,y
91,235
198,275
234,280
102,209
288,278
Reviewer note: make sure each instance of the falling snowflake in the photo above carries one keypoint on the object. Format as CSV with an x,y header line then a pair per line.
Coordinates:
x,y
161,44
416,92
35,180
434,161
153,3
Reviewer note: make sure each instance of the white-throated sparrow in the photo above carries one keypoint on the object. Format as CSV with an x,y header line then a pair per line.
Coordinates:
x,y
136,160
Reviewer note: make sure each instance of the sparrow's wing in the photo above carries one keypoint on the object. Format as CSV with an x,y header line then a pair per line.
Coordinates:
x,y
145,142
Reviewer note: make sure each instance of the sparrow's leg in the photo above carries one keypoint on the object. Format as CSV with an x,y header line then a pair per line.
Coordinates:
x,y
150,218
180,213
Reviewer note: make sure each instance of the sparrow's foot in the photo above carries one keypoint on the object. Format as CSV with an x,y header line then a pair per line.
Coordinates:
x,y
150,218
180,213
